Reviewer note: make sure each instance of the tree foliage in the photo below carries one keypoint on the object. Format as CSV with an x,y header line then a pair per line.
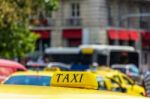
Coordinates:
x,y
15,37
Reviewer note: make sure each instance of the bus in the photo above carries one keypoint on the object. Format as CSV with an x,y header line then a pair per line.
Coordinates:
x,y
103,55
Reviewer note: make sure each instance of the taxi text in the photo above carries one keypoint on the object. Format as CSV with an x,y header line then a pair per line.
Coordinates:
x,y
76,78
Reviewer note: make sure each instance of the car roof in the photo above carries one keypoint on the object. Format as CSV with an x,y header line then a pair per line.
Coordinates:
x,y
123,66
108,73
39,73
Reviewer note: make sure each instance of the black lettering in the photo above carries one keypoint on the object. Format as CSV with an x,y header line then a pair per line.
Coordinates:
x,y
81,78
66,78
58,77
75,77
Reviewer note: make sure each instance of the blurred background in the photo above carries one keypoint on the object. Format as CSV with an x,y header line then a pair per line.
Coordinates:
x,y
28,28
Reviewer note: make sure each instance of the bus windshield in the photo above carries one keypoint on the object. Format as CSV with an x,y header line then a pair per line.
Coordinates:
x,y
102,59
85,59
63,58
120,57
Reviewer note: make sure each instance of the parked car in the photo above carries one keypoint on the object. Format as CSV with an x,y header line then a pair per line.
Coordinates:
x,y
125,82
130,69
64,85
7,67
62,66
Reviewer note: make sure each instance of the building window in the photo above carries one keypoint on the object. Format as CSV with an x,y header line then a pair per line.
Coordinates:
x,y
144,21
75,10
74,18
122,12
110,9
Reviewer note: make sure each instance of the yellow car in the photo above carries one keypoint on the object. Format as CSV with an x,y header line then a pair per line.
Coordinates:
x,y
36,78
118,78
64,85
43,78
104,83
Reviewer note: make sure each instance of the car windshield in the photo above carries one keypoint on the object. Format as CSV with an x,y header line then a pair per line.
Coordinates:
x,y
123,70
29,80
134,70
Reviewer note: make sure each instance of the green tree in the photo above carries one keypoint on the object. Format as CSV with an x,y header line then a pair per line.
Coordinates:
x,y
15,37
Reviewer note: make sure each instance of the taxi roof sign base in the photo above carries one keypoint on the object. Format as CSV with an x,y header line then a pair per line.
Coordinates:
x,y
75,79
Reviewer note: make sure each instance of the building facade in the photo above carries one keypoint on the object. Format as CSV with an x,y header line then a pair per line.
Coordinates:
x,y
114,22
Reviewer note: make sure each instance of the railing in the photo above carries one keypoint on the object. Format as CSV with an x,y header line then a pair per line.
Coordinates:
x,y
73,22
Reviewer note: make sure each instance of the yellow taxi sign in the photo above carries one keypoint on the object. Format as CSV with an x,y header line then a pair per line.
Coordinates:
x,y
87,50
75,80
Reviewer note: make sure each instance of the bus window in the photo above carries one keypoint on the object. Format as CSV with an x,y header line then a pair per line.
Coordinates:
x,y
64,58
102,59
115,59
134,58
86,59
124,58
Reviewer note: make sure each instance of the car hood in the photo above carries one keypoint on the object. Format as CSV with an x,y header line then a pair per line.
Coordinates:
x,y
139,88
35,92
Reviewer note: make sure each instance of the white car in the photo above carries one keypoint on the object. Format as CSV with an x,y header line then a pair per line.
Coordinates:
x,y
62,66
129,69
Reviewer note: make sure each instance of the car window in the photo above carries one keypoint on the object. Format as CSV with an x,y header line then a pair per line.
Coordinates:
x,y
126,80
101,84
134,70
116,78
29,80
